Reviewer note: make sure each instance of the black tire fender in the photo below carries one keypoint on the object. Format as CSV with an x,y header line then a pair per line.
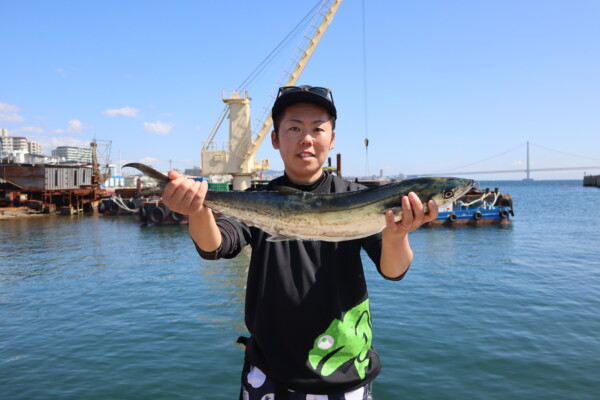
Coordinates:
x,y
157,215
142,212
113,207
175,216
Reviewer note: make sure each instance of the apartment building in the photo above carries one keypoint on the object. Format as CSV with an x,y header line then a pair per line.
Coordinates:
x,y
74,154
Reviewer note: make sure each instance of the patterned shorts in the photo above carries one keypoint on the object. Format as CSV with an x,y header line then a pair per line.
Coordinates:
x,y
257,386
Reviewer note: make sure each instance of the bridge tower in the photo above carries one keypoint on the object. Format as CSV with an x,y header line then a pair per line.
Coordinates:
x,y
528,179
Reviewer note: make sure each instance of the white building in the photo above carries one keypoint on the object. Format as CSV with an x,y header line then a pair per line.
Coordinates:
x,y
35,148
112,169
13,143
23,157
125,181
16,149
71,153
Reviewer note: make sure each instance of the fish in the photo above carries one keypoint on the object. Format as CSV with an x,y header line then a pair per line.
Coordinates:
x,y
289,214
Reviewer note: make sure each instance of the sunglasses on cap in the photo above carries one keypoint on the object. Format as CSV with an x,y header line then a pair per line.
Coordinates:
x,y
321,91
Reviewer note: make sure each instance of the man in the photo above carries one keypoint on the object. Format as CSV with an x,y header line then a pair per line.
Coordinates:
x,y
307,306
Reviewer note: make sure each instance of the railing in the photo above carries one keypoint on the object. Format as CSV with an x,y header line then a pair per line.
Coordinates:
x,y
216,146
234,94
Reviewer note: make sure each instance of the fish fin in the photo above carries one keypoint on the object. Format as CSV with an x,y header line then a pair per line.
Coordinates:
x,y
286,190
278,238
396,210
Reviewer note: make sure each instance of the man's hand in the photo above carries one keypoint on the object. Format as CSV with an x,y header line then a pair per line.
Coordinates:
x,y
185,196
413,216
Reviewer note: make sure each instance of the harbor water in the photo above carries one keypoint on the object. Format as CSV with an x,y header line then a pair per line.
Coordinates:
x,y
95,307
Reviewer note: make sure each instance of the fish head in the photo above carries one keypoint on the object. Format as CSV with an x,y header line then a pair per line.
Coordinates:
x,y
448,190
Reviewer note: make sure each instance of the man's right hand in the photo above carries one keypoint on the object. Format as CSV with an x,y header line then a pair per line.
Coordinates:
x,y
185,196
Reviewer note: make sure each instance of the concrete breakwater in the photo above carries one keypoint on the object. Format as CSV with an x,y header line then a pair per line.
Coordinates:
x,y
591,180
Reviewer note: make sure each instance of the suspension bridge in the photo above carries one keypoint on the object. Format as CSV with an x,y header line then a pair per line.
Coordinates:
x,y
527,170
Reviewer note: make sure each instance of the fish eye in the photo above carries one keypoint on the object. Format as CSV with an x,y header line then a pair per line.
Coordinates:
x,y
448,193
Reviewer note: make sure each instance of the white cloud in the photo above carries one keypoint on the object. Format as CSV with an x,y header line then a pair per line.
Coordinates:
x,y
11,117
50,143
9,113
8,108
75,127
29,129
158,127
148,160
124,112
69,141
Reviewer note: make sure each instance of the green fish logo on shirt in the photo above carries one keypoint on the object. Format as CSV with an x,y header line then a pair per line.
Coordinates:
x,y
344,340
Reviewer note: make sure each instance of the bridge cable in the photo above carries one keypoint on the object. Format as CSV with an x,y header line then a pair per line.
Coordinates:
x,y
280,46
564,152
487,159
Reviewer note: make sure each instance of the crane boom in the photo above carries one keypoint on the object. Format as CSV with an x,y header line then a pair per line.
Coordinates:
x,y
239,159
308,52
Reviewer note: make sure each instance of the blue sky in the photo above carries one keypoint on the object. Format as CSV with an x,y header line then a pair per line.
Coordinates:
x,y
449,84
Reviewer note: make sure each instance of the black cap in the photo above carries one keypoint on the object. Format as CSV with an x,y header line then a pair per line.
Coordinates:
x,y
289,95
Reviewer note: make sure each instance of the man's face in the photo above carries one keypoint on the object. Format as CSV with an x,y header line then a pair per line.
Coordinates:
x,y
305,138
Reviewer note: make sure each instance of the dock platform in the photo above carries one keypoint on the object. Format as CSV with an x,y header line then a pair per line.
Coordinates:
x,y
591,180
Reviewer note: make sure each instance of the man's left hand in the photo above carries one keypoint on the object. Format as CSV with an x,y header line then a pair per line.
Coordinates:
x,y
413,216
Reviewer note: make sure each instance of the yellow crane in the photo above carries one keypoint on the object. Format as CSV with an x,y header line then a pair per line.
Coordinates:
x,y
238,158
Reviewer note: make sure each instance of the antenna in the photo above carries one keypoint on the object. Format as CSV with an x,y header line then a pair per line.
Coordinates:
x,y
364,34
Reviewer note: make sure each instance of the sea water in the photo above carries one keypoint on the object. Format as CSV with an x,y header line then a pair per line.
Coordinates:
x,y
96,307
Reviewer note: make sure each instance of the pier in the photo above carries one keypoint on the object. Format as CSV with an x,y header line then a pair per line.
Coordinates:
x,y
591,180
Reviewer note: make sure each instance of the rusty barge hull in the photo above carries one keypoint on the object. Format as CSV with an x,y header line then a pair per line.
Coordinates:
x,y
49,187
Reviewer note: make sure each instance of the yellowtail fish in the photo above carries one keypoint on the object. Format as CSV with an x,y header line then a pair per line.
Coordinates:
x,y
288,214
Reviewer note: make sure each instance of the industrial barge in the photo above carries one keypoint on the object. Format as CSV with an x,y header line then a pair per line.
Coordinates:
x,y
67,189
477,207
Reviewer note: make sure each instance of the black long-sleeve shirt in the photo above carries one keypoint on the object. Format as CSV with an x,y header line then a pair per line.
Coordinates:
x,y
307,303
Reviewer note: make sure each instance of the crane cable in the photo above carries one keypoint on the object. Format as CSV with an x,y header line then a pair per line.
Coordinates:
x,y
260,69
280,46
364,37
